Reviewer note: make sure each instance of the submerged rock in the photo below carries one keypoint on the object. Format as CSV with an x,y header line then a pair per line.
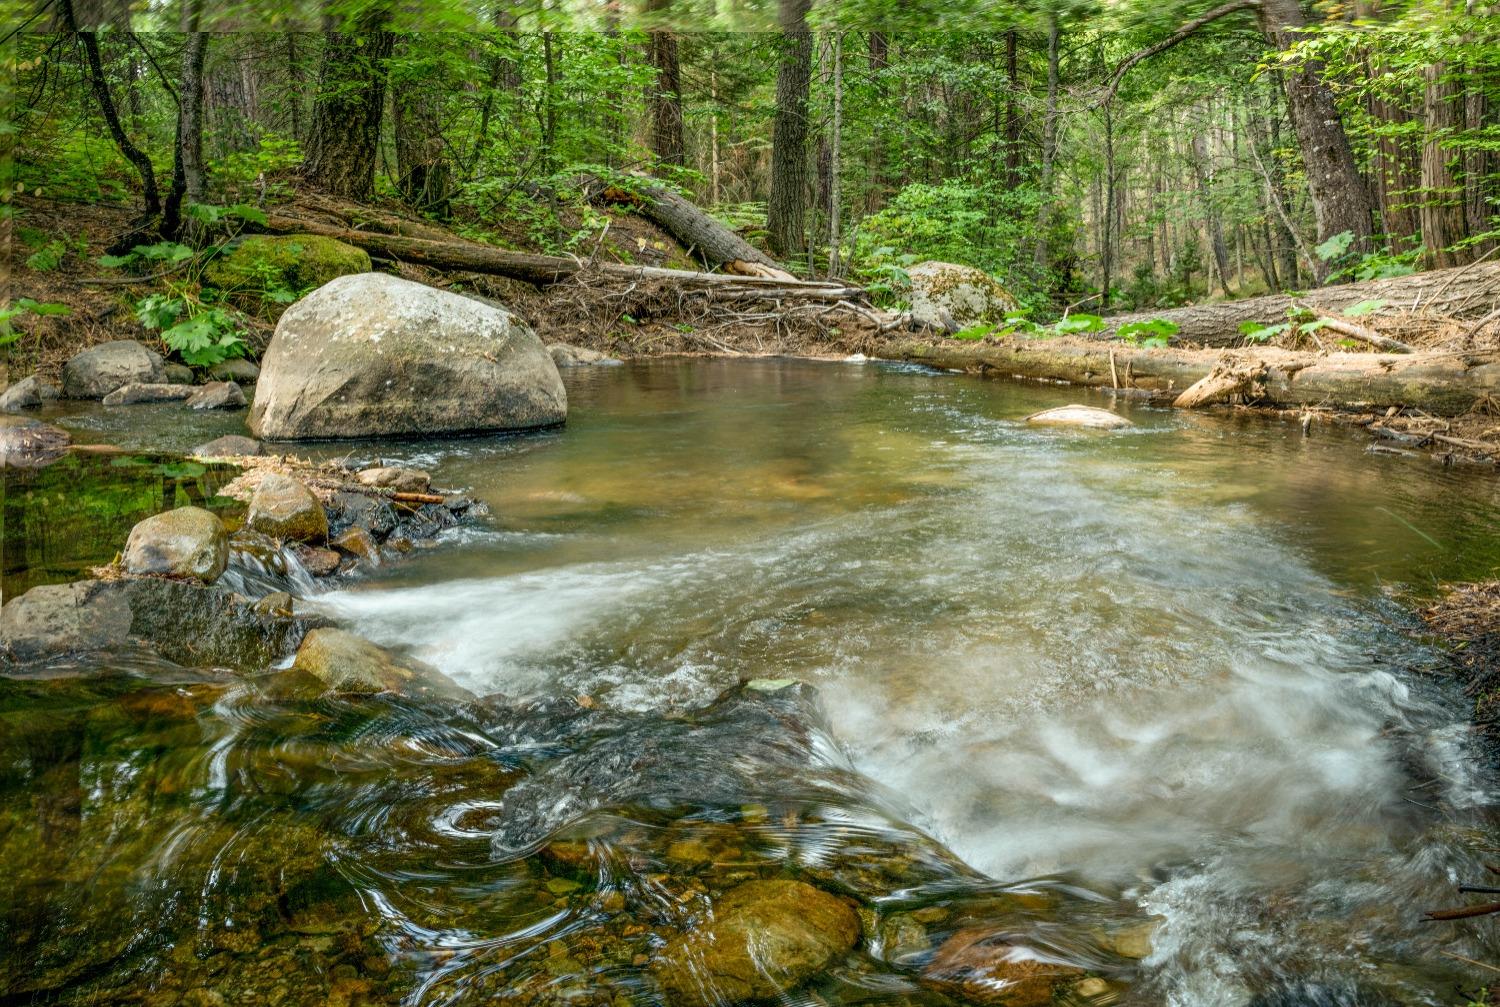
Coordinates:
x,y
283,508
55,619
26,443
1090,417
348,663
398,479
374,355
28,393
228,446
566,355
950,297
764,939
218,395
186,542
101,369
983,967
137,393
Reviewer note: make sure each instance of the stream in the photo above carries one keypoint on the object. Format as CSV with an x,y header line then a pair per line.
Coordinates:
x,y
1145,700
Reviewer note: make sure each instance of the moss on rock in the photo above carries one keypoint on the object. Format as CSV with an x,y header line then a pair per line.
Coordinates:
x,y
295,263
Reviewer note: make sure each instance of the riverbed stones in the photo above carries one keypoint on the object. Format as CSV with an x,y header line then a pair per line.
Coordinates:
x,y
186,542
28,393
218,395
138,393
567,355
27,443
348,663
56,619
393,478
951,297
319,562
375,355
283,508
983,967
238,370
1086,417
357,542
228,446
764,939
99,370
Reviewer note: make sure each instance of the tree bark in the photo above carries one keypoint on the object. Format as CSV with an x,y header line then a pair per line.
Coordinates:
x,y
187,161
786,209
1199,148
666,97
1340,200
1049,143
1442,213
347,110
1442,384
1459,292
1012,110
836,157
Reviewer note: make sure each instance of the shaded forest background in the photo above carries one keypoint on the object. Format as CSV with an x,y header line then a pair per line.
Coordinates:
x,y
1111,156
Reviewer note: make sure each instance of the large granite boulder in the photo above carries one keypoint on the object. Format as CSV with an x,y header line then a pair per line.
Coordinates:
x,y
101,369
952,297
186,542
765,938
375,355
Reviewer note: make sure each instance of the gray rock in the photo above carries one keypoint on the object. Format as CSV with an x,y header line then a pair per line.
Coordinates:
x,y
393,478
101,369
373,355
348,663
56,619
374,514
218,395
239,370
178,374
1089,417
26,443
137,393
951,297
228,446
283,508
186,542
567,355
28,393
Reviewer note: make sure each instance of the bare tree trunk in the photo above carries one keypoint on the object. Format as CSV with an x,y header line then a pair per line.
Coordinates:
x,y
1201,173
1049,143
1442,211
1107,259
187,160
835,161
1477,160
786,209
1340,199
347,109
665,99
713,130
422,171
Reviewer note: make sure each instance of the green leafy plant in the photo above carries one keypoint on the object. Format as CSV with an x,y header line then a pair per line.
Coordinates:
x,y
25,306
48,257
167,253
1079,322
201,335
1154,332
1366,307
1255,332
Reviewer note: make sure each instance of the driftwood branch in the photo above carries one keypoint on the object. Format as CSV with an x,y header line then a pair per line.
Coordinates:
x,y
1364,335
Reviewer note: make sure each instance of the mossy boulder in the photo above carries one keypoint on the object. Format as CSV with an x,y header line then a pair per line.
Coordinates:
x,y
293,263
186,542
951,297
765,938
283,508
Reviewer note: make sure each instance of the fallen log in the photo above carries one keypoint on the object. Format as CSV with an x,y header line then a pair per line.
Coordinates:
x,y
1464,291
1364,335
692,227
543,270
1441,384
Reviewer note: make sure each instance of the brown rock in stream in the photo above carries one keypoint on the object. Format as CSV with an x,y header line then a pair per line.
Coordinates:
x,y
348,663
26,443
283,508
983,967
186,542
765,938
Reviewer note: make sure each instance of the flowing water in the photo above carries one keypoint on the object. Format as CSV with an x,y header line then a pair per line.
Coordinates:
x,y
1141,701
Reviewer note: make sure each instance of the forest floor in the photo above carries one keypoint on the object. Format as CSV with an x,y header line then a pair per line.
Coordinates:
x,y
627,317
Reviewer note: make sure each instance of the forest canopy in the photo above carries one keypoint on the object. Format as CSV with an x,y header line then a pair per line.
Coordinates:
x,y
1120,156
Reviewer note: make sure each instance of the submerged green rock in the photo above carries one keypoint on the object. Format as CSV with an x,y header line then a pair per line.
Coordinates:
x,y
765,938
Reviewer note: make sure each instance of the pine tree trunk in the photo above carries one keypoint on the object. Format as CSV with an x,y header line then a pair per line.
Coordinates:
x,y
1049,143
1340,199
1442,211
347,110
1477,161
1012,111
1201,173
187,161
786,210
666,99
